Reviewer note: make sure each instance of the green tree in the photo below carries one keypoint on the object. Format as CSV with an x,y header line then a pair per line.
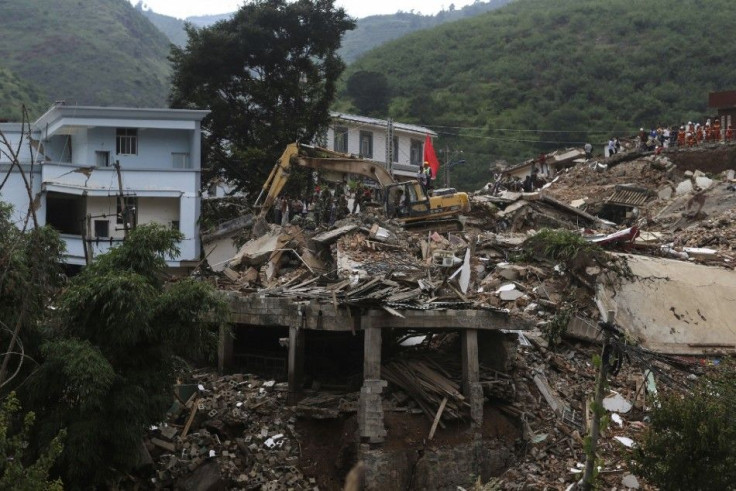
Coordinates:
x,y
370,92
14,474
29,275
268,75
114,345
689,444
30,271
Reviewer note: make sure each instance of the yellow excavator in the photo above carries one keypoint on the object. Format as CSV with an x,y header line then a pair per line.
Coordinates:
x,y
408,200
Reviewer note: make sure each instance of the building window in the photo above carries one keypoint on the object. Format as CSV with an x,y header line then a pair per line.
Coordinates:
x,y
341,139
131,211
102,159
181,160
126,141
396,149
175,225
66,152
366,144
416,152
102,228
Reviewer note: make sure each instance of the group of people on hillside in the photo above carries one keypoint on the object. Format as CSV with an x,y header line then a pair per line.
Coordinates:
x,y
687,135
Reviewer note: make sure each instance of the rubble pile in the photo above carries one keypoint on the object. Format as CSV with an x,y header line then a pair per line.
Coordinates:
x,y
552,386
234,432
641,204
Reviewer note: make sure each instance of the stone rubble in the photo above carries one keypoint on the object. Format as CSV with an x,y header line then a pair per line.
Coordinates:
x,y
366,259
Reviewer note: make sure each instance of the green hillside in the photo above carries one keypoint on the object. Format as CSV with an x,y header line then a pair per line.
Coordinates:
x,y
375,30
14,93
171,27
369,32
96,52
541,75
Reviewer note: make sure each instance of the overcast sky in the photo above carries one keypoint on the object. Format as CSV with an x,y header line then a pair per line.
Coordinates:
x,y
355,8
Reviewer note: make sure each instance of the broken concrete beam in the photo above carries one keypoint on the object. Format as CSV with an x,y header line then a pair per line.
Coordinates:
x,y
559,204
257,252
554,402
228,228
327,238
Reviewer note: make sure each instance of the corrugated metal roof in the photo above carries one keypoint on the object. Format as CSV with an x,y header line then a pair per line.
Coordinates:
x,y
411,128
630,195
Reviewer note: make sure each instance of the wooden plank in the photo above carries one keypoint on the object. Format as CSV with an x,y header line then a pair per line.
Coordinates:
x,y
190,419
437,418
546,392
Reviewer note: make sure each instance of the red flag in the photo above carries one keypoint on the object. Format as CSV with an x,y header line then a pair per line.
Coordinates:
x,y
429,156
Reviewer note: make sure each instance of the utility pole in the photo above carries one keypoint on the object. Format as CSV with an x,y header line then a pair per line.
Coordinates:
x,y
607,327
447,167
389,144
121,200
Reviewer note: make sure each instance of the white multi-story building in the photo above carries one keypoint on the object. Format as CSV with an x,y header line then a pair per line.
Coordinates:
x,y
71,162
368,137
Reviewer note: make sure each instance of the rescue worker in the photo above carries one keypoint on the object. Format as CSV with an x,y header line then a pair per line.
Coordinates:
x,y
729,133
428,173
358,199
681,137
717,130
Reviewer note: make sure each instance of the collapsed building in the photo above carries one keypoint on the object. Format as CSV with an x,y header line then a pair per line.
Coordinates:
x,y
436,360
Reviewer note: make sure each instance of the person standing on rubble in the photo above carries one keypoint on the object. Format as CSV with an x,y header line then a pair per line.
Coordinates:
x,y
643,137
285,211
429,177
358,200
325,205
611,147
588,151
422,175
717,130
277,211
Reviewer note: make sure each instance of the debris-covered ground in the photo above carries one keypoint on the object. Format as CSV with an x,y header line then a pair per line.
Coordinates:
x,y
237,431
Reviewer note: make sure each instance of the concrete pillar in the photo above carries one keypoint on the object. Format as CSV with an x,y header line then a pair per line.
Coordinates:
x,y
372,353
296,364
472,389
370,409
225,349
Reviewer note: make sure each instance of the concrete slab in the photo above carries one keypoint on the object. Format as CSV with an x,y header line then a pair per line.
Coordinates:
x,y
256,252
675,307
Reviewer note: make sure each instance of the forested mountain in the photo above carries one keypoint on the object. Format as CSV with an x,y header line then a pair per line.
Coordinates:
x,y
537,75
100,52
375,30
369,31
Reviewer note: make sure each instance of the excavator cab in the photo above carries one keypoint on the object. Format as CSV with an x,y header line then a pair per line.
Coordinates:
x,y
405,200
409,202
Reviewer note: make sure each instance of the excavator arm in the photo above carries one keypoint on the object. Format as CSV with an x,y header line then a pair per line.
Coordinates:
x,y
317,158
